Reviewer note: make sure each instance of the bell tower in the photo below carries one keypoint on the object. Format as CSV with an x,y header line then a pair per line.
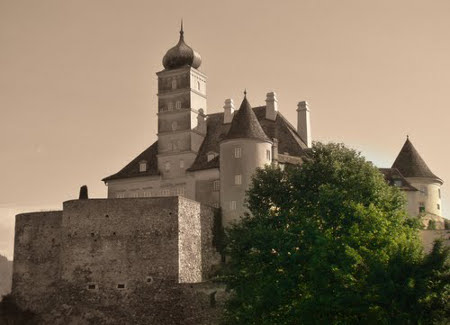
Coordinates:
x,y
181,109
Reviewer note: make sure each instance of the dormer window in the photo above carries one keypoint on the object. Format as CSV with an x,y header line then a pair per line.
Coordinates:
x,y
143,166
211,155
174,84
398,183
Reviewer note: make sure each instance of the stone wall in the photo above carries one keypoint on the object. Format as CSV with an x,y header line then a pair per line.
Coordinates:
x,y
118,261
36,265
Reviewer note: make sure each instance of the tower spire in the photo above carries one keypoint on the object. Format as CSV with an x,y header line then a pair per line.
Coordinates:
x,y
181,30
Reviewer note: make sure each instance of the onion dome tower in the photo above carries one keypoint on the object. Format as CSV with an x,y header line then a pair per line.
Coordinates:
x,y
181,111
427,200
181,55
245,148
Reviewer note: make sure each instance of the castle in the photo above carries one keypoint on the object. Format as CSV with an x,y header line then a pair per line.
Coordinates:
x,y
152,245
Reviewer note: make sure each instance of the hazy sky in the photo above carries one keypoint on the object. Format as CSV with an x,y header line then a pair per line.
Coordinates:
x,y
78,84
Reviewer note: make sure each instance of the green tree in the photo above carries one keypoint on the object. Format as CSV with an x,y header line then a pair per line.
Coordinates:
x,y
329,242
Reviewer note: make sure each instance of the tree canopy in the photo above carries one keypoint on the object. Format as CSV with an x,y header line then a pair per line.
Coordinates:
x,y
329,242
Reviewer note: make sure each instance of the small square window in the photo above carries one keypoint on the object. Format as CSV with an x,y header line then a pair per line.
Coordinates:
x,y
398,183
233,205
216,185
92,286
143,166
121,286
237,152
237,179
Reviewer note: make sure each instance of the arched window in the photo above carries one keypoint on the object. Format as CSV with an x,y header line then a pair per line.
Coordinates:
x,y
178,104
174,84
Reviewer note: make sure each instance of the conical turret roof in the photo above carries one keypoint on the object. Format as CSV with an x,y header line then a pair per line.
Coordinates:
x,y
410,164
245,124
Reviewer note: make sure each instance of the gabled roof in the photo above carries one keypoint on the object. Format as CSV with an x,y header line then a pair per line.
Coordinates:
x,y
391,175
132,169
410,164
245,124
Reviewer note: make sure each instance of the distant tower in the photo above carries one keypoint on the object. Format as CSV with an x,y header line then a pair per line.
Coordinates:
x,y
427,200
181,109
245,148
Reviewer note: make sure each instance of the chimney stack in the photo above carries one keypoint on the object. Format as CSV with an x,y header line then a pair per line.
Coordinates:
x,y
228,111
271,106
304,123
83,193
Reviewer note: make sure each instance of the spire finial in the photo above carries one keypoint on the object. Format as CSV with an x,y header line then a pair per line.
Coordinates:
x,y
245,92
407,137
181,29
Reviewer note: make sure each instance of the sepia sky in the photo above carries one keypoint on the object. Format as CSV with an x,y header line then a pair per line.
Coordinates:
x,y
78,84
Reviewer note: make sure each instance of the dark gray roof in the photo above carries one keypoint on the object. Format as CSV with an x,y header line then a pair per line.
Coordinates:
x,y
410,164
245,124
289,145
392,174
132,169
289,142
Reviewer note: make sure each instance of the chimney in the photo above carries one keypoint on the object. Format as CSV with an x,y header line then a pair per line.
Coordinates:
x,y
304,123
271,106
228,111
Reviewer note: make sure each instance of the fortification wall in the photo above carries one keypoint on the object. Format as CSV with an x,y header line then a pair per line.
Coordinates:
x,y
120,244
36,265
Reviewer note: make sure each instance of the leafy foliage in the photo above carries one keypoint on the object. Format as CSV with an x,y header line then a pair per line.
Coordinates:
x,y
330,243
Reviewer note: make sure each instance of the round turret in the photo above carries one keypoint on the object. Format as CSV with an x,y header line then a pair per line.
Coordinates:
x,y
245,148
181,55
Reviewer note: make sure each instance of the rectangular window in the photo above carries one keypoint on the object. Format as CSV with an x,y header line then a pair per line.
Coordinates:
x,y
268,154
92,286
121,286
120,195
439,192
134,194
178,104
147,194
216,185
167,166
237,152
166,192
143,166
438,206
181,163
237,179
232,205
421,207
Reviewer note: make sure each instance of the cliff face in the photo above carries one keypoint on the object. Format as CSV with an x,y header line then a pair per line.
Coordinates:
x,y
5,276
